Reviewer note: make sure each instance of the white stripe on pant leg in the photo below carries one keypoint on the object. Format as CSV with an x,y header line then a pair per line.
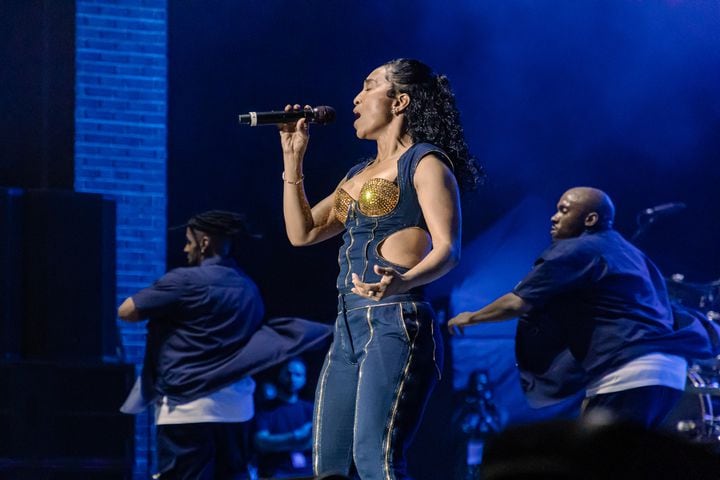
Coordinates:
x,y
317,422
391,424
360,370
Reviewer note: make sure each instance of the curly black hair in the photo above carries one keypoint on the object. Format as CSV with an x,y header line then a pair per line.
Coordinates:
x,y
433,117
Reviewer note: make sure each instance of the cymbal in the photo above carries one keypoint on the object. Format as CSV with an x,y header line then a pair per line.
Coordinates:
x,y
691,287
704,390
702,296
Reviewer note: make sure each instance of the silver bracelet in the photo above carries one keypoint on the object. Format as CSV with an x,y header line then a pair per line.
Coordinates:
x,y
297,182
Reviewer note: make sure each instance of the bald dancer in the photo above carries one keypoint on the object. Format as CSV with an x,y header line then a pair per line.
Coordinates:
x,y
594,316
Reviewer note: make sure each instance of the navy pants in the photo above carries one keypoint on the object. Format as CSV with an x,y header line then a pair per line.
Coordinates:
x,y
385,359
647,406
203,451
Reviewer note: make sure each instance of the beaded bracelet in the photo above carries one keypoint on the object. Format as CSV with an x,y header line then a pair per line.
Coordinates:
x,y
297,182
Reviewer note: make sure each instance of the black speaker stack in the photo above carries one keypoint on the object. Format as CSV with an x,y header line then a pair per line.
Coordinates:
x,y
61,376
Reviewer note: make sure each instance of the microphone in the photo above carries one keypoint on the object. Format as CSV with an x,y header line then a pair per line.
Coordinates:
x,y
664,209
321,115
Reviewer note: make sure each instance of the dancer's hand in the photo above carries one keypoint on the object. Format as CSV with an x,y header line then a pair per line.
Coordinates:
x,y
457,324
391,283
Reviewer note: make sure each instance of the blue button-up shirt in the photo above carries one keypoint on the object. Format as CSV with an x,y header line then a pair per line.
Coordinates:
x,y
200,318
597,303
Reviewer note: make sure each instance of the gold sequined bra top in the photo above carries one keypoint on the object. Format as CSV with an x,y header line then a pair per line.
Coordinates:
x,y
378,197
382,208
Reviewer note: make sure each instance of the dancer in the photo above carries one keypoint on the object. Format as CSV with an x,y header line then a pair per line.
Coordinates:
x,y
198,316
595,316
206,336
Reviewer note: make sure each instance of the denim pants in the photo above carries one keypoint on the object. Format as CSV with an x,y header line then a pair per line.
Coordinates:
x,y
385,359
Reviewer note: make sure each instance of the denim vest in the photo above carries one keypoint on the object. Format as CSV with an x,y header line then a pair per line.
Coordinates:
x,y
364,234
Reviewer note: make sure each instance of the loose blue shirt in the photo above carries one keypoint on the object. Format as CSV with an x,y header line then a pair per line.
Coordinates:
x,y
600,298
200,318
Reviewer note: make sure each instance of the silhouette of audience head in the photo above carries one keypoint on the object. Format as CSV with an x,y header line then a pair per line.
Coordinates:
x,y
564,449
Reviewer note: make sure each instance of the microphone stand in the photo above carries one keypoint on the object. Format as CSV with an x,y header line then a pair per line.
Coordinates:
x,y
642,226
651,214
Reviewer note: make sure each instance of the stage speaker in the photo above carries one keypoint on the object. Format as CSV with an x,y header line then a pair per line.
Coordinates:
x,y
69,276
10,272
63,417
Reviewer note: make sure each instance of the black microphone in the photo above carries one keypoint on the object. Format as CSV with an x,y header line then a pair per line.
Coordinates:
x,y
664,209
321,115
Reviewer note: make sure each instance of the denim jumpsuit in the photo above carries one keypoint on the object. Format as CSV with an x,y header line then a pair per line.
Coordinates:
x,y
386,355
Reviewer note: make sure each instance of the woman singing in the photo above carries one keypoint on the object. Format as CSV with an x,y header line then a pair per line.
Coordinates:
x,y
399,214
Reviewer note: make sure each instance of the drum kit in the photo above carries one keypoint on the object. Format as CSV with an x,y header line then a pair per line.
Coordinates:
x,y
697,415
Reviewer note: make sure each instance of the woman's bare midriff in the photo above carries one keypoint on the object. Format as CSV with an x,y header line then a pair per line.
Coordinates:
x,y
406,248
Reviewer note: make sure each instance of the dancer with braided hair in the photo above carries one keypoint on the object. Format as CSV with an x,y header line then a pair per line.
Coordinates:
x,y
399,214
205,338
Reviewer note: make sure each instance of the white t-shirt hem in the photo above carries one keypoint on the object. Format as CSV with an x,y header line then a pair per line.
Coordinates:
x,y
655,369
232,404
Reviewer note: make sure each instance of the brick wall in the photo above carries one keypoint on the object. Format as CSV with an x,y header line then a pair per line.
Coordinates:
x,y
120,146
